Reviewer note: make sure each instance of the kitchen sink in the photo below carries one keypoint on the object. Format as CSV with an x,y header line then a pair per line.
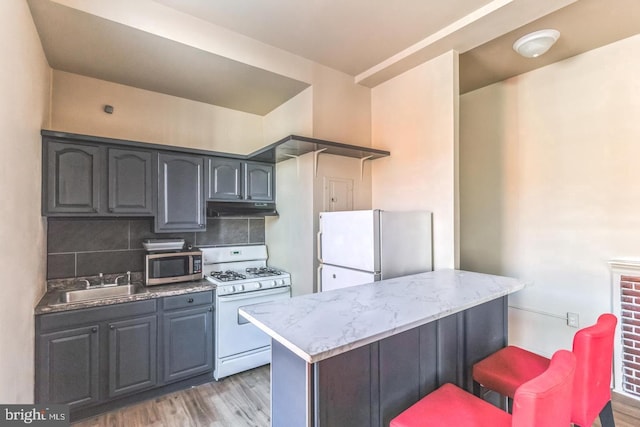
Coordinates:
x,y
99,293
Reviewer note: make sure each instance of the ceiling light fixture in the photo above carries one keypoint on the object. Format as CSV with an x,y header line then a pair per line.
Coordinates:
x,y
535,44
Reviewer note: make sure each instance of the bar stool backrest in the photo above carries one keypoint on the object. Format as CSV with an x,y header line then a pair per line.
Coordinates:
x,y
593,347
546,399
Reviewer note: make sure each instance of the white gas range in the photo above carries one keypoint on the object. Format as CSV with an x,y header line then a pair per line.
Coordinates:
x,y
242,278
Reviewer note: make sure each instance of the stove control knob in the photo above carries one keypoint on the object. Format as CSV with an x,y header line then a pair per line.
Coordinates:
x,y
258,285
232,288
272,283
280,282
239,288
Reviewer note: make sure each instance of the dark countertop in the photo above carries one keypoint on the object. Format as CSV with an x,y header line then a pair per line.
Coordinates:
x,y
49,302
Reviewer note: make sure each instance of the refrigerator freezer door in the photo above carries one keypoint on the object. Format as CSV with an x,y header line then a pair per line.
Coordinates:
x,y
336,277
405,243
350,239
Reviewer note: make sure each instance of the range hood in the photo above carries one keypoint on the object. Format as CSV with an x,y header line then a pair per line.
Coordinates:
x,y
253,209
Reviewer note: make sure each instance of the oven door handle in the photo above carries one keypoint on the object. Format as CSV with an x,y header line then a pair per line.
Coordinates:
x,y
254,294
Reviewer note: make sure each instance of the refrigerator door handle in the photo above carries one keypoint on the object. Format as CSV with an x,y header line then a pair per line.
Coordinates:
x,y
319,246
319,279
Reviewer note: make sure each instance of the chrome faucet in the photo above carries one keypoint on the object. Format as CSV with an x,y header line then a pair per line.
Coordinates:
x,y
101,277
127,275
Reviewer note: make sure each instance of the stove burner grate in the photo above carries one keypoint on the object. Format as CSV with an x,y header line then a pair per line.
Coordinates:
x,y
227,276
263,271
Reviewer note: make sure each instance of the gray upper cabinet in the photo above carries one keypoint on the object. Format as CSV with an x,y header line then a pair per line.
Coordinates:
x,y
259,182
239,180
73,174
181,204
130,181
225,179
96,180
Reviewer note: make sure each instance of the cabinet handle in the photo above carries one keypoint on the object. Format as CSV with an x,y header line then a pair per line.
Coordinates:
x,y
190,300
111,327
249,197
210,309
239,196
201,225
110,209
94,329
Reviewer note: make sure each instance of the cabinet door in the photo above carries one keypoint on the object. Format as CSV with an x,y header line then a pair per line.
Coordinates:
x,y
67,367
132,355
73,178
187,342
180,193
130,184
259,182
225,179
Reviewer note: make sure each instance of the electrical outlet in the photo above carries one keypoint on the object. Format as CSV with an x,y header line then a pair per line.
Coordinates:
x,y
572,320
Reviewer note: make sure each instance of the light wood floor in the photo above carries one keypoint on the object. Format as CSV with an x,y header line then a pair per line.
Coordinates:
x,y
243,400
240,400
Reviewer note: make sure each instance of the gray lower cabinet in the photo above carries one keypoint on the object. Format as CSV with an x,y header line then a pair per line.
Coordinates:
x,y
67,368
132,355
187,324
72,178
181,204
91,355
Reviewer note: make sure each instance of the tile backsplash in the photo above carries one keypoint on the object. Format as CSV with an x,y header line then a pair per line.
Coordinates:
x,y
86,247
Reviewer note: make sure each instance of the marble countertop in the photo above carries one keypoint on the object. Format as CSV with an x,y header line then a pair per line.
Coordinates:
x,y
49,303
318,326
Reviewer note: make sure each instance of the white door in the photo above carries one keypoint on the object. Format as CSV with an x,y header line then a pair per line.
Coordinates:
x,y
350,239
336,278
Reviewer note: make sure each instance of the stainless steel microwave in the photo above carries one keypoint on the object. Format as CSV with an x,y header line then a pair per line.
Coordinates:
x,y
172,267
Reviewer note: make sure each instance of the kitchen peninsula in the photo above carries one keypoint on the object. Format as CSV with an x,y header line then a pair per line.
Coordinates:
x,y
358,356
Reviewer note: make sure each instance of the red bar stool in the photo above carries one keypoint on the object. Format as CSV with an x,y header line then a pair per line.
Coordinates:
x,y
542,401
511,366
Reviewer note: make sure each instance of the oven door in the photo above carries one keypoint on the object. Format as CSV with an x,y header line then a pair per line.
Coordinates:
x,y
234,334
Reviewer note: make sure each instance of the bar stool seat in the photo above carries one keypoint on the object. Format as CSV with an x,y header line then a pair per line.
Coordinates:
x,y
544,401
507,368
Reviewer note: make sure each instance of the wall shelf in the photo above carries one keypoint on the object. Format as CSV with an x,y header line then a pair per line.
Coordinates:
x,y
295,145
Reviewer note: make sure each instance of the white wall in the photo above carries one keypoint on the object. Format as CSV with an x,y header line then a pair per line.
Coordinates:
x,y
549,193
415,117
289,236
341,108
24,84
141,115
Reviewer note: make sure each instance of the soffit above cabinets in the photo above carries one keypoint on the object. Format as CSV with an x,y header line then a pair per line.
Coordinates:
x,y
85,44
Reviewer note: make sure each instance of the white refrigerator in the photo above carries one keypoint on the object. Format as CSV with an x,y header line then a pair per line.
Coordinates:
x,y
356,247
